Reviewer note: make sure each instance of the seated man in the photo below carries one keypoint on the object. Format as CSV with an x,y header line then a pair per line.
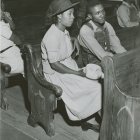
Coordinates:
x,y
127,14
9,52
97,36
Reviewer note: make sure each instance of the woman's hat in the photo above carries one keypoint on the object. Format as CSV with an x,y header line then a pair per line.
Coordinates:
x,y
59,6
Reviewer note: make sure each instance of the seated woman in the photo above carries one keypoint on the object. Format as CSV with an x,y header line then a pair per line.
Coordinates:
x,y
82,96
9,52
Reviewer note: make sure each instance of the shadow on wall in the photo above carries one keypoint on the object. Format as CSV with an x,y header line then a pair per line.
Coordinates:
x,y
26,7
30,28
28,16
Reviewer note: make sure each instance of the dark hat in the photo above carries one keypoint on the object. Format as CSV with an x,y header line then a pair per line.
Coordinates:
x,y
59,6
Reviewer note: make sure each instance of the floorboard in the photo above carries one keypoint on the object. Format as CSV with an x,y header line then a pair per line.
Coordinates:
x,y
13,123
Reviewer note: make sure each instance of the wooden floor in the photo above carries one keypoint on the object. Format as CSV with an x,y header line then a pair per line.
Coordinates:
x,y
13,123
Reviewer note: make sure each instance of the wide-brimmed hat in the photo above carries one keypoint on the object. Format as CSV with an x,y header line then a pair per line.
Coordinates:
x,y
59,6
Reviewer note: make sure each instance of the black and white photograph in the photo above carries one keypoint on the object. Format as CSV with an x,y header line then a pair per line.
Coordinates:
x,y
70,70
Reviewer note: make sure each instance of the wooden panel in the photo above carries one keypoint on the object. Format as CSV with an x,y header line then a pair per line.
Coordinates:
x,y
121,101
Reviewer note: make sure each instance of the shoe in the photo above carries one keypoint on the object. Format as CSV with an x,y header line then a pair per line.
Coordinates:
x,y
85,126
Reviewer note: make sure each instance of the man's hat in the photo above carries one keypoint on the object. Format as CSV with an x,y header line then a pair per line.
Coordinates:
x,y
59,6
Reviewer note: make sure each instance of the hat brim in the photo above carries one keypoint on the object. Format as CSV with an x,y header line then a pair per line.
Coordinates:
x,y
57,13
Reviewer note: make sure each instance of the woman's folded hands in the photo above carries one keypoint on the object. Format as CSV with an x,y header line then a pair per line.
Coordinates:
x,y
93,71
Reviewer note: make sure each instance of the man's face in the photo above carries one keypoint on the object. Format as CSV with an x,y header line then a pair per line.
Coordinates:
x,y
98,14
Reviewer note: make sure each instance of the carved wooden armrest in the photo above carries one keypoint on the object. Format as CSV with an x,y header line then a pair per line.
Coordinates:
x,y
42,81
42,94
29,53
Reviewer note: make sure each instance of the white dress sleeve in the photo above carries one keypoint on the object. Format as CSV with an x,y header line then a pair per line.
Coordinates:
x,y
6,32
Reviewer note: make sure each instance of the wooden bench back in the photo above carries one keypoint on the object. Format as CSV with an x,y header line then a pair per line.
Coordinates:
x,y
129,37
125,70
121,97
34,59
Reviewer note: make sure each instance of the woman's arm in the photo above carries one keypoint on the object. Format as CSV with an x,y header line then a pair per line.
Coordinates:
x,y
57,66
76,45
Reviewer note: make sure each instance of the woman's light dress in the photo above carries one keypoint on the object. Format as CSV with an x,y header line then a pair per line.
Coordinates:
x,y
82,96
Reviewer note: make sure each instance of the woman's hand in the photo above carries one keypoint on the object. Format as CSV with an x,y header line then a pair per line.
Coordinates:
x,y
81,73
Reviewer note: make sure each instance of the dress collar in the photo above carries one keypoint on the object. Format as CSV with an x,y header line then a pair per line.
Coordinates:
x,y
61,32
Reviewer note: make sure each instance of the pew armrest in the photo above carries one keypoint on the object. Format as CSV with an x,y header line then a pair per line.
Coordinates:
x,y
5,67
42,94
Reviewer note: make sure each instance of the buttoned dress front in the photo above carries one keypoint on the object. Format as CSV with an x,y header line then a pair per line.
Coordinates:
x,y
82,96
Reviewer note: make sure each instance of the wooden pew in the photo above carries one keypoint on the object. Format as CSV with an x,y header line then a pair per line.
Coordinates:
x,y
121,97
42,94
129,37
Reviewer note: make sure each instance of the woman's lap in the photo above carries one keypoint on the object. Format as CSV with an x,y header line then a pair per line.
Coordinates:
x,y
82,96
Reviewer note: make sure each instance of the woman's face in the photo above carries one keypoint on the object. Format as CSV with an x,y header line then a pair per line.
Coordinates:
x,y
67,17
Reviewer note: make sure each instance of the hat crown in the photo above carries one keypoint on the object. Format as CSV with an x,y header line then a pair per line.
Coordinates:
x,y
58,6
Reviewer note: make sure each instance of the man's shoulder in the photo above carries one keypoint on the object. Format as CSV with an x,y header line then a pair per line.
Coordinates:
x,y
86,27
122,7
108,25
